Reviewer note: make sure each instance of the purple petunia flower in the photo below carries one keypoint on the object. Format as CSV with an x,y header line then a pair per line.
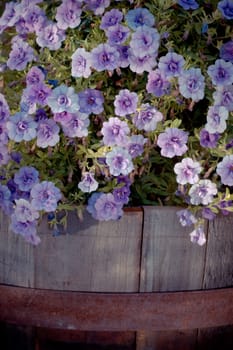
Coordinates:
x,y
123,51
91,204
47,133
33,17
173,142
145,41
88,183
21,127
68,14
121,194
26,178
4,109
24,211
45,196
216,119
138,17
225,170
226,8
50,36
81,63
115,132
10,15
3,134
171,65
21,53
188,4
221,73
207,139
226,51
117,34
111,18
135,145
77,126
38,94
141,64
63,117
186,217
27,229
198,235
5,196
119,161
125,102
208,214
104,57
107,208
91,101
157,84
191,84
187,171
202,192
4,155
97,6
147,117
223,96
34,76
63,98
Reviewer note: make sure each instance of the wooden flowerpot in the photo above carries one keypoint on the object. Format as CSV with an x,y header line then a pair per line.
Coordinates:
x,y
140,275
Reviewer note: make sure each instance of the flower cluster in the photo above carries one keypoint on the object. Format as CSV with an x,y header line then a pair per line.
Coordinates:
x,y
115,103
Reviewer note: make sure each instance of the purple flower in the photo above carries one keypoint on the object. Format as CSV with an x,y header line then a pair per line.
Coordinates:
x,y
34,76
4,109
20,55
188,4
223,96
3,134
221,73
125,102
157,84
107,208
115,132
68,14
147,117
91,204
111,18
226,51
198,235
121,194
91,101
21,127
138,17
202,192
123,51
4,155
77,125
88,183
26,229
145,41
171,65
135,145
104,57
24,211
47,133
226,8
26,178
141,64
191,84
207,139
186,217
63,98
34,18
119,161
10,15
173,142
187,171
45,196
5,196
97,6
38,93
81,63
216,119
63,117
225,170
208,214
50,36
117,34
40,115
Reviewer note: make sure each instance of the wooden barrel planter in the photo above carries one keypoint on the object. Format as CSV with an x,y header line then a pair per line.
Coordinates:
x,y
138,283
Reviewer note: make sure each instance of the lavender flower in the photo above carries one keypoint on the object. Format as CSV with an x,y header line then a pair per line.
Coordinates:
x,y
107,208
226,8
97,6
111,18
208,214
26,178
88,183
223,96
3,134
45,196
125,102
63,117
50,36
68,14
186,217
145,40
91,101
26,229
123,51
47,133
104,57
191,84
20,55
34,18
221,73
188,4
34,76
207,139
147,117
119,161
173,142
115,132
10,15
63,98
5,196
24,211
225,170
117,34
226,51
216,119
21,127
202,192
81,63
135,145
187,171
77,125
4,155
171,65
91,204
198,235
141,64
157,84
138,17
4,109
38,94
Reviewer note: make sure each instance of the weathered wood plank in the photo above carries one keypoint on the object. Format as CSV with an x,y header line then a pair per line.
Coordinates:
x,y
169,262
92,256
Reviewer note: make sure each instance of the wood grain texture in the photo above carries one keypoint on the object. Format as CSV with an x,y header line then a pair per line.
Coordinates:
x,y
169,262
